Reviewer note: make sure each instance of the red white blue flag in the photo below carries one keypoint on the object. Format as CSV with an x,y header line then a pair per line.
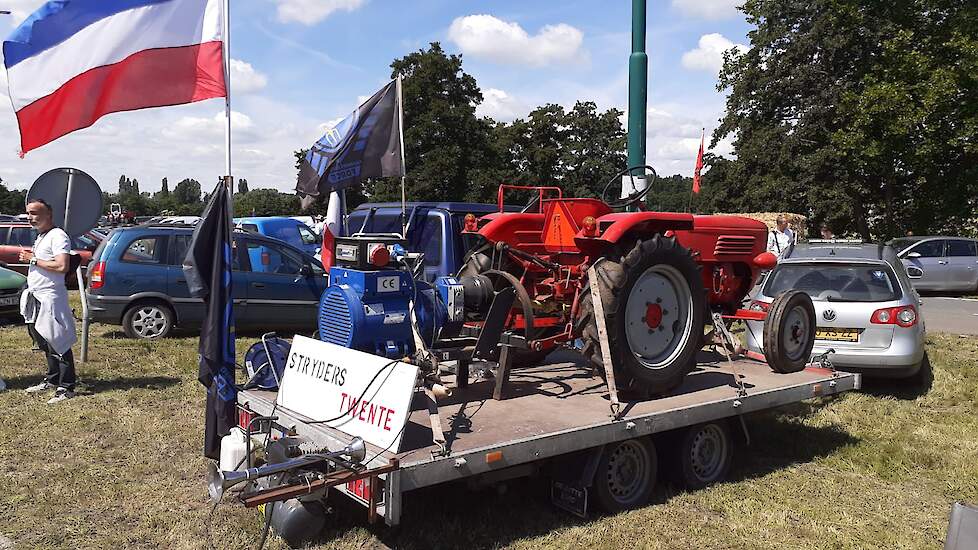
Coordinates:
x,y
73,61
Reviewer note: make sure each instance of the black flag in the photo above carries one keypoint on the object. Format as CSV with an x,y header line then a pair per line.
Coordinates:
x,y
207,267
366,144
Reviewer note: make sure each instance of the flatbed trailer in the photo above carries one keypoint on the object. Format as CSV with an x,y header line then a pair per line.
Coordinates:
x,y
560,410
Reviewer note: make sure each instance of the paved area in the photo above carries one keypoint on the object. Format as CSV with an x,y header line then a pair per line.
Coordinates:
x,y
952,315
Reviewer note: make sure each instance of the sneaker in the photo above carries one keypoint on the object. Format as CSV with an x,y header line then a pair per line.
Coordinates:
x,y
61,395
43,386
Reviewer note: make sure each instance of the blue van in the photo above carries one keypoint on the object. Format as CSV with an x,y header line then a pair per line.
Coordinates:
x,y
285,229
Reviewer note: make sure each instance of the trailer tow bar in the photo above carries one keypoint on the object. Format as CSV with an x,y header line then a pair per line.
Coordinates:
x,y
599,320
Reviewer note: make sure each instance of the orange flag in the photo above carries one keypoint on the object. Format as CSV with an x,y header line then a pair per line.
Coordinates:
x,y
699,165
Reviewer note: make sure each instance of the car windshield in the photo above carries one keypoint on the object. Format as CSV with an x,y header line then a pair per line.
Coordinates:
x,y
901,244
835,282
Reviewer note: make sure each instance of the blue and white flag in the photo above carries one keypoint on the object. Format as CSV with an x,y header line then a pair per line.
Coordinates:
x,y
365,144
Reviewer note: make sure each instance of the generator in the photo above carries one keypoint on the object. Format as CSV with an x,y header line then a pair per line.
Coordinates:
x,y
374,302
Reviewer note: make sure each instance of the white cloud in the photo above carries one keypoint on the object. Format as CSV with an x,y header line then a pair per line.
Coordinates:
x,y
245,79
708,9
501,106
497,40
310,12
20,9
708,56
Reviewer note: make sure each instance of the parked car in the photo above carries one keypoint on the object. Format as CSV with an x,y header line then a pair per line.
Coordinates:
x,y
948,264
11,286
137,281
434,228
865,305
285,229
18,236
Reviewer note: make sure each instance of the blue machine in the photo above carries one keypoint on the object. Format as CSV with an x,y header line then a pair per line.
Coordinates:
x,y
368,307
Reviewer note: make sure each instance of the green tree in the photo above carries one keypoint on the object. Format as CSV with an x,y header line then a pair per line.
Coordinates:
x,y
187,192
265,202
862,114
445,143
11,200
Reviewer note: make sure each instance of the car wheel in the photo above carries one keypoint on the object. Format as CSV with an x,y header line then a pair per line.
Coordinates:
x,y
148,321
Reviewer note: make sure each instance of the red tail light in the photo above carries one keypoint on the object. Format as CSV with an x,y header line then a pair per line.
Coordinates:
x,y
244,418
757,305
905,316
96,277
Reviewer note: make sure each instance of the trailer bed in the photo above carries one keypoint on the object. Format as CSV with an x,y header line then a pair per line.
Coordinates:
x,y
555,409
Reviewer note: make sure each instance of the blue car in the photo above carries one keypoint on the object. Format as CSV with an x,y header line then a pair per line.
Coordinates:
x,y
136,280
285,229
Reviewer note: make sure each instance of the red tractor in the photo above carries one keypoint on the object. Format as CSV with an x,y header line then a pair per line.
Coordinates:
x,y
660,276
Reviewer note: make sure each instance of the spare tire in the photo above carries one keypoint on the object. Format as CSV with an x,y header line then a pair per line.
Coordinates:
x,y
789,332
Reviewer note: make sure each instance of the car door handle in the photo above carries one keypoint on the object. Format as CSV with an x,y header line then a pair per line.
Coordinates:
x,y
942,262
181,281
258,285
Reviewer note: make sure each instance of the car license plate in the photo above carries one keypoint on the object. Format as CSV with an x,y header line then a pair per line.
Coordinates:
x,y
9,300
837,334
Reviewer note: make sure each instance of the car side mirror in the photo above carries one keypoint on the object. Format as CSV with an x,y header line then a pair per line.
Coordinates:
x,y
306,270
913,255
915,272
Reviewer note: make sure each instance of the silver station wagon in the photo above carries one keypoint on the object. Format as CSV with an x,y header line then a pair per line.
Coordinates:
x,y
865,306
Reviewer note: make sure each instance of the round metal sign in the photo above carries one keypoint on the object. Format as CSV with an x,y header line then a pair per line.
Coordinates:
x,y
75,198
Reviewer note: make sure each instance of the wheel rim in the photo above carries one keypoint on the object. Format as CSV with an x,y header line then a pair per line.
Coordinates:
x,y
658,316
708,452
149,322
629,469
794,337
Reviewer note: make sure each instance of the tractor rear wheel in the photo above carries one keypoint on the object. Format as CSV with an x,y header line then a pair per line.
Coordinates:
x,y
653,302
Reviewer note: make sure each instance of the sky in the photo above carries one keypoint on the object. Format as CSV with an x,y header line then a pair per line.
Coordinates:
x,y
300,65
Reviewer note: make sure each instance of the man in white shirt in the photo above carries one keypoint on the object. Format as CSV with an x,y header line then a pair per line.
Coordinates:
x,y
44,304
781,239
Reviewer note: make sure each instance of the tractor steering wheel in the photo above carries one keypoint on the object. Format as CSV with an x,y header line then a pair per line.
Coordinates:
x,y
625,203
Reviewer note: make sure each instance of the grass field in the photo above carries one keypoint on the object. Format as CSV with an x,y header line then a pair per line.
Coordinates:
x,y
120,467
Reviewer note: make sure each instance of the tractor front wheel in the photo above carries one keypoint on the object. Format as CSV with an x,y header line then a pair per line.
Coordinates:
x,y
653,302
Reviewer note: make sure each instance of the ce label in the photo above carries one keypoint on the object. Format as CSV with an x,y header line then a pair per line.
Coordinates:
x,y
388,284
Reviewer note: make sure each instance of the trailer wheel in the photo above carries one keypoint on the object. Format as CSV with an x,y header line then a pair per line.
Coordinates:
x,y
789,332
704,454
626,475
654,307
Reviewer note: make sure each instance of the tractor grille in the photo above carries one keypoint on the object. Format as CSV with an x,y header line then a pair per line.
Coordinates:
x,y
734,245
335,325
8,291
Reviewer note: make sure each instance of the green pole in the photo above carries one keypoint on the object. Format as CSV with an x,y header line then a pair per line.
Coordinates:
x,y
638,73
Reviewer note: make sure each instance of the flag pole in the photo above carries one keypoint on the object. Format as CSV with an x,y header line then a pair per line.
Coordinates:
x,y
400,135
228,179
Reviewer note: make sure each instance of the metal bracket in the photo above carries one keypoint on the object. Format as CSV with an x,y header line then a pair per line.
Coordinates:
x,y
599,321
729,342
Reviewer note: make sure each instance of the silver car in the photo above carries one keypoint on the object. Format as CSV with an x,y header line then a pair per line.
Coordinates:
x,y
865,306
947,264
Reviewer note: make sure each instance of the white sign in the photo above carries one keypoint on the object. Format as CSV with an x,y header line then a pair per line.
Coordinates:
x,y
325,381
